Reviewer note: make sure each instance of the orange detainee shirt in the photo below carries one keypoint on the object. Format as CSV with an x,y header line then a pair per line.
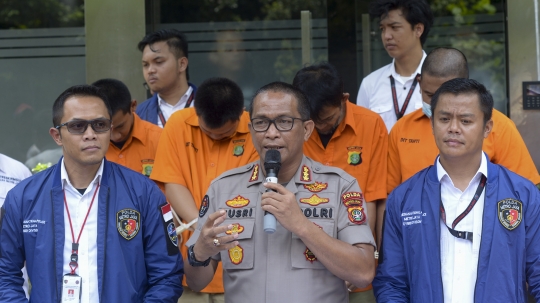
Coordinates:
x,y
139,151
359,146
188,157
412,147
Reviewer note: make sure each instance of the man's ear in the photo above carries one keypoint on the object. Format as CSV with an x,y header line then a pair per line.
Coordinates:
x,y
345,97
419,30
55,134
488,128
309,125
133,105
183,64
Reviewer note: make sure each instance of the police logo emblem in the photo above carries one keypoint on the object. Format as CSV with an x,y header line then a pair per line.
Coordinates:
x,y
355,158
352,198
147,166
236,254
356,215
238,150
510,213
128,222
309,255
171,230
204,206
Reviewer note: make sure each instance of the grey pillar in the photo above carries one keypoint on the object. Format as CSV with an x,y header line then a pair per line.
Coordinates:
x,y
523,65
113,29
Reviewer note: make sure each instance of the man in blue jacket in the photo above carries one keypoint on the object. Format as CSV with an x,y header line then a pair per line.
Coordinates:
x,y
89,230
463,229
165,69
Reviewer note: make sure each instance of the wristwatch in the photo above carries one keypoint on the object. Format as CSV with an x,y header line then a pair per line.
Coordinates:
x,y
193,261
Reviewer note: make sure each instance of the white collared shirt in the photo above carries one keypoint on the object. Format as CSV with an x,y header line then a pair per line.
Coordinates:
x,y
459,257
168,109
11,173
376,92
78,207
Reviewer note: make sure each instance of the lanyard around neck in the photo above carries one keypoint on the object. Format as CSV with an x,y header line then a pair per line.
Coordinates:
x,y
162,117
75,245
464,234
401,112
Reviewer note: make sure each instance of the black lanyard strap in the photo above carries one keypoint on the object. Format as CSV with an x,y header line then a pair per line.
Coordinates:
x,y
467,235
401,112
162,117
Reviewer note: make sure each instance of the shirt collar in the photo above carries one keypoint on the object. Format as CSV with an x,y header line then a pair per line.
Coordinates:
x,y
392,72
65,179
184,97
348,120
138,129
441,172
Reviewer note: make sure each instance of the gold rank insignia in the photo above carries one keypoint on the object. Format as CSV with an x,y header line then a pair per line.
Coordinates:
x,y
306,174
316,187
147,166
255,173
356,215
314,200
236,254
309,255
352,198
237,202
236,228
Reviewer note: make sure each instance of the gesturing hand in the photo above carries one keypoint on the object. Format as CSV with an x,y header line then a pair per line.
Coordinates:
x,y
282,204
208,243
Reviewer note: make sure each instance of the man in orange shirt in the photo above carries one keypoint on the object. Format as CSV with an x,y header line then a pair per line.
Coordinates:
x,y
198,144
347,136
133,141
411,146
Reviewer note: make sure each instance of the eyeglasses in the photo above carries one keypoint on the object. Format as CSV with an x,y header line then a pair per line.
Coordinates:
x,y
79,126
282,123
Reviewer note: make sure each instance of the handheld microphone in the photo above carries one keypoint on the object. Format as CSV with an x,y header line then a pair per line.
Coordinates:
x,y
272,164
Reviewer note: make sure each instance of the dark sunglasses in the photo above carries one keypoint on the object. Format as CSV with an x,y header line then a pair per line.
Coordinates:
x,y
79,126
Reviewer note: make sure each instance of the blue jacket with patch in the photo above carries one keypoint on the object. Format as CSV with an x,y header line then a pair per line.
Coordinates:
x,y
148,110
410,265
146,268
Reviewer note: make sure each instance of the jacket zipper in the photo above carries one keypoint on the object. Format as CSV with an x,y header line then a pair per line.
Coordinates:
x,y
480,246
105,243
54,233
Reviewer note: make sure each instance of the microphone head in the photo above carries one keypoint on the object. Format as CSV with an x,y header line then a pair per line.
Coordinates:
x,y
272,160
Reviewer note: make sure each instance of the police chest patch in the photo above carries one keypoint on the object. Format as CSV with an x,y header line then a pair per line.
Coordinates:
x,y
236,254
510,213
128,222
171,231
204,206
356,215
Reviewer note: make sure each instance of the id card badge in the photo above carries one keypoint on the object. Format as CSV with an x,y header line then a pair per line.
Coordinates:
x,y
71,288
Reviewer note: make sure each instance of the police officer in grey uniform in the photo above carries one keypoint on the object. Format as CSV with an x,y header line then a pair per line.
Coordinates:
x,y
322,237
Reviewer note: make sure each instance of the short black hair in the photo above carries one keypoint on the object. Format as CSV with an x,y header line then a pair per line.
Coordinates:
x,y
117,94
461,86
77,91
303,107
176,40
322,85
218,101
446,62
414,11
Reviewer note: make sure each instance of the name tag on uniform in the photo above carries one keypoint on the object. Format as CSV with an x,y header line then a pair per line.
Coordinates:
x,y
71,288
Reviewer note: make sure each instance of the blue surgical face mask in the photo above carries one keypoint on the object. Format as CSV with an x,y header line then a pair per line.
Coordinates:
x,y
426,108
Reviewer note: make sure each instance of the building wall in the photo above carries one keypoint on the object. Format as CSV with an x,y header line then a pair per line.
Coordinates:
x,y
524,65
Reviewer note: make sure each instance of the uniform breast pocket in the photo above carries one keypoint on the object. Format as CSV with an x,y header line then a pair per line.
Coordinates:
x,y
301,256
240,256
